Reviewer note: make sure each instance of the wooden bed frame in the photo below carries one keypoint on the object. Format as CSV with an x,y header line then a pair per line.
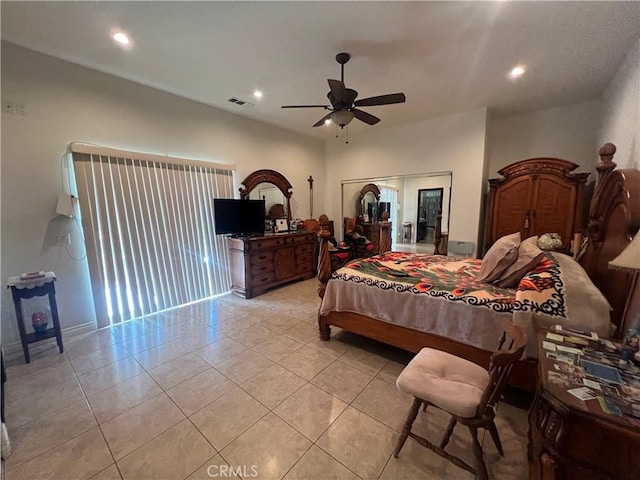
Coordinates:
x,y
614,217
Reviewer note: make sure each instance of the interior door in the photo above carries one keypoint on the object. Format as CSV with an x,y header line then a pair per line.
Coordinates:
x,y
429,202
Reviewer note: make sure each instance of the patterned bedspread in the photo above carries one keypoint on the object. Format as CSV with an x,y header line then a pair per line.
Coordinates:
x,y
441,295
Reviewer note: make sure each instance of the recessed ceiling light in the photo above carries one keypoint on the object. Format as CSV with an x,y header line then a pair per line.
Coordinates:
x,y
121,38
517,72
257,93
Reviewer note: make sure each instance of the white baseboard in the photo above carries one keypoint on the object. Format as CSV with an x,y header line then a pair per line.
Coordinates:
x,y
15,348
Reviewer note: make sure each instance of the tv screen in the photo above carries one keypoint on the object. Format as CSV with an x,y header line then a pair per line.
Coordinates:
x,y
238,217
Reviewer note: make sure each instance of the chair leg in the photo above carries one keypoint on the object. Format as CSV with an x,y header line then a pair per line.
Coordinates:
x,y
406,428
481,468
447,434
496,438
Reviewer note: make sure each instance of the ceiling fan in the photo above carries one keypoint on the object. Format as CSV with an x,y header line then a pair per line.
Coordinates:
x,y
343,101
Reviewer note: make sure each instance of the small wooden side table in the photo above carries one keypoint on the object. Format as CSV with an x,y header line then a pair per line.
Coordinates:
x,y
35,287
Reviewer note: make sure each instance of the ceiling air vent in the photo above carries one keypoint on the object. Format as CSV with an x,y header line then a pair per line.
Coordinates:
x,y
239,101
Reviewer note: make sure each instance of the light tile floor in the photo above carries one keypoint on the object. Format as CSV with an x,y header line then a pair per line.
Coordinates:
x,y
194,391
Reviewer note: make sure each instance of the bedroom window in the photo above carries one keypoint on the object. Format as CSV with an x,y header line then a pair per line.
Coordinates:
x,y
148,224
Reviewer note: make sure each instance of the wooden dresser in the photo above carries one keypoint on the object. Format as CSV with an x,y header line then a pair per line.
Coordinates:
x,y
373,231
536,196
261,263
575,439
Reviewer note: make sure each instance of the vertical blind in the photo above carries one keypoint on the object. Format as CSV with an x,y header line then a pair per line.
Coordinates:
x,y
148,224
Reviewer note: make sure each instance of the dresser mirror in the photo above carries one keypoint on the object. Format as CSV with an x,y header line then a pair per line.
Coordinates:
x,y
273,188
369,197
275,203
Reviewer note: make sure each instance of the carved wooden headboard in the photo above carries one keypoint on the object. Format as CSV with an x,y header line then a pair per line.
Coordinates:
x,y
614,218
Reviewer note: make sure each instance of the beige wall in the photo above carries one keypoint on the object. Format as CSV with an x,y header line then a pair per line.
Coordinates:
x,y
67,103
621,111
453,143
568,132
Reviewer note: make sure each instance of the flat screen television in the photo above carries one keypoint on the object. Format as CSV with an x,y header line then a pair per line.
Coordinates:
x,y
238,217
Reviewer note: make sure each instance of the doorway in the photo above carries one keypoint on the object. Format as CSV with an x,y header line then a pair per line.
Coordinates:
x,y
429,202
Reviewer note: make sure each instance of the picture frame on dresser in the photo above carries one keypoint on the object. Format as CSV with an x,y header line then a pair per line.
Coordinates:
x,y
282,225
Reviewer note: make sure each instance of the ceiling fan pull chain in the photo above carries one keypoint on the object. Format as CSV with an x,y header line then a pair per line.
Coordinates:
x,y
347,135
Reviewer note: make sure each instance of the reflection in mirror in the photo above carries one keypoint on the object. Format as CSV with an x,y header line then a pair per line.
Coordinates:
x,y
402,192
274,201
265,185
370,206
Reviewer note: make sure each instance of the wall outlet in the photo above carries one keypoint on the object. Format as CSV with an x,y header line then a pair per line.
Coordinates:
x,y
21,109
8,106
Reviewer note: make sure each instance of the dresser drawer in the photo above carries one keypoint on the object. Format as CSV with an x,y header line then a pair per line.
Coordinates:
x,y
293,239
262,279
304,268
374,237
261,257
305,249
262,268
268,242
304,259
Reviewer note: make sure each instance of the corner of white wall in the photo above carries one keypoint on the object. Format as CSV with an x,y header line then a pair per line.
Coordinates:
x,y
621,110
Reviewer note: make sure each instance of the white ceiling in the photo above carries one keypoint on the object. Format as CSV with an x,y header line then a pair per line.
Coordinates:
x,y
445,56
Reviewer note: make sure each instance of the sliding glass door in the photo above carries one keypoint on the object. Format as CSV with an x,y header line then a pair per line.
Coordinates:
x,y
148,224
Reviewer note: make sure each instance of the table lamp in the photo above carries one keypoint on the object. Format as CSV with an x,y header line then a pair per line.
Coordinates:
x,y
629,261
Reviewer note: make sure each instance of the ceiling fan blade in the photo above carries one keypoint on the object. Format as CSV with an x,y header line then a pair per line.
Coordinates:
x,y
381,100
338,90
365,117
305,106
322,120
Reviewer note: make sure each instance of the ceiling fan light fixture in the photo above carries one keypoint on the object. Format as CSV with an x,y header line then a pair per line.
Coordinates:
x,y
342,117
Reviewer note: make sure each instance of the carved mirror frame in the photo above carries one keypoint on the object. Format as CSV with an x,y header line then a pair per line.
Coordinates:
x,y
267,176
368,188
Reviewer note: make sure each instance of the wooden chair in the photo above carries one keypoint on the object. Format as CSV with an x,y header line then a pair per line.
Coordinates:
x,y
360,250
312,225
465,390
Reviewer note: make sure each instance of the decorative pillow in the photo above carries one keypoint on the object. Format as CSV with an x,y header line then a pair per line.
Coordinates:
x,y
550,241
529,256
502,254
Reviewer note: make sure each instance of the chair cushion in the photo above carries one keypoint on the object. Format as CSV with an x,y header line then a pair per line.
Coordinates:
x,y
449,382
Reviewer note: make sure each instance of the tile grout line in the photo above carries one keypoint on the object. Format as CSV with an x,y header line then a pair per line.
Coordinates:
x,y
268,409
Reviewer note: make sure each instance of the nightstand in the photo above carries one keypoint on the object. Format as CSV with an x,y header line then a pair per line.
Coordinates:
x,y
35,286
